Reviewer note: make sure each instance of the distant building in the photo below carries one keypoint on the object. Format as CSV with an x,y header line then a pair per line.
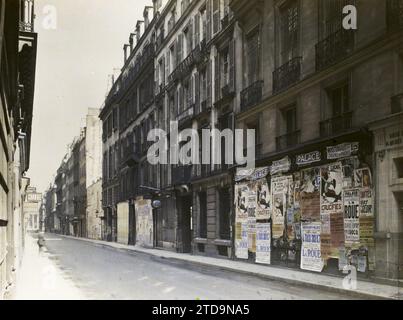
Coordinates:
x,y
32,210
95,214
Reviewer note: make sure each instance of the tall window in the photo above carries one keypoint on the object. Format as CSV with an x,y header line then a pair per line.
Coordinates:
x,y
340,100
225,214
216,16
289,19
332,16
290,119
225,67
203,85
252,56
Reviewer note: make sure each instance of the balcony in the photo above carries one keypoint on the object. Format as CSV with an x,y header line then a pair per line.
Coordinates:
x,y
394,13
287,75
186,115
288,140
334,48
397,103
225,21
336,125
130,155
181,175
186,65
201,171
201,108
251,96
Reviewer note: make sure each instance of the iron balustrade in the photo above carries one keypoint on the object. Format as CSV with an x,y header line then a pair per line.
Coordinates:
x,y
288,140
185,115
287,75
397,103
334,48
252,95
186,65
394,13
336,125
225,22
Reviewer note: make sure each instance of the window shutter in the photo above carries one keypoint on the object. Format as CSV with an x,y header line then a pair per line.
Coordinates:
x,y
209,78
163,72
197,29
197,90
216,17
157,77
168,62
232,56
190,36
208,20
179,50
217,78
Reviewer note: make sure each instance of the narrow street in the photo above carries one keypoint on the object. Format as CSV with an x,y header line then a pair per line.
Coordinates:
x,y
91,271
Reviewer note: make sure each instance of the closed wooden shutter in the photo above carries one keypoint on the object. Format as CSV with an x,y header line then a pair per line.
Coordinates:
x,y
197,29
209,80
217,78
232,56
197,90
208,20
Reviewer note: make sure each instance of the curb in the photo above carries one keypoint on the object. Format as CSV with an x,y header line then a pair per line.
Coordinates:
x,y
300,283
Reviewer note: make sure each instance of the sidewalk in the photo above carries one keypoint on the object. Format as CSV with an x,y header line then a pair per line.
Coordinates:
x,y
364,289
39,278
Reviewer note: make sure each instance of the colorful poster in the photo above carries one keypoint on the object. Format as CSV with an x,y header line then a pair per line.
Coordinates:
x,y
351,201
331,188
366,203
279,192
349,165
366,230
263,243
241,240
251,200
311,257
263,199
144,223
241,202
252,234
362,178
309,197
337,231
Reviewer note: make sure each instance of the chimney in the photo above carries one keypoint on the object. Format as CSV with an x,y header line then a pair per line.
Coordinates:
x,y
139,30
125,51
131,41
148,15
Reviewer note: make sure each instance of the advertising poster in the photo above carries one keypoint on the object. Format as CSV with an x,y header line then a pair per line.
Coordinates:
x,y
331,188
337,231
252,234
263,200
311,257
348,167
351,200
280,166
362,178
263,243
366,203
279,191
309,197
367,231
251,200
241,200
144,223
241,240
342,150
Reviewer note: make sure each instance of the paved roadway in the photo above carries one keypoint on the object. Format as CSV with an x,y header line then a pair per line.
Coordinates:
x,y
108,273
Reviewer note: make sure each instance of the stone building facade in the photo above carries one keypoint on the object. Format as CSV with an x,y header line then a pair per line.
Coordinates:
x,y
18,43
310,90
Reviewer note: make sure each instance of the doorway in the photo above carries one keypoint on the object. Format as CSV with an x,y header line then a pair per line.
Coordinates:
x,y
185,204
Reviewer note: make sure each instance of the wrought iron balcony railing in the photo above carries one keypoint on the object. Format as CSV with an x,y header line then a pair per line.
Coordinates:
x,y
288,140
397,103
182,174
287,75
186,65
186,115
225,21
252,95
394,13
334,48
336,125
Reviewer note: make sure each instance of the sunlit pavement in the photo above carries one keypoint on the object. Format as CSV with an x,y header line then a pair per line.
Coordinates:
x,y
74,269
40,278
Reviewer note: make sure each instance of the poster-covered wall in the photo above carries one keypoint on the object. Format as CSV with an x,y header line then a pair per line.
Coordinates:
x,y
144,223
327,209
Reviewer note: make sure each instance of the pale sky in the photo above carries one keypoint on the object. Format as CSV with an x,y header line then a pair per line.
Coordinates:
x,y
73,65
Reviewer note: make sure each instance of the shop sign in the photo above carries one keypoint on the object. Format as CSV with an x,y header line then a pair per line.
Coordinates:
x,y
283,165
393,137
308,158
342,150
